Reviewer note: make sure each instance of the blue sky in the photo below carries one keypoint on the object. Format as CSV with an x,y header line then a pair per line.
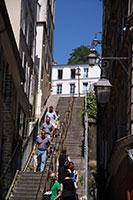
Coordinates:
x,y
76,22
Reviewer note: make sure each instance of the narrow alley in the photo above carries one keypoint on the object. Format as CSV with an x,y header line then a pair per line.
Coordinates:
x,y
33,185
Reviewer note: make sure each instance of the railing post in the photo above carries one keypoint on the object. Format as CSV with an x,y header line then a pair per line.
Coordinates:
x,y
86,149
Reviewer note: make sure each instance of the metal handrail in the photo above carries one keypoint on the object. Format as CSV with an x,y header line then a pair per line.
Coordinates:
x,y
9,162
7,168
30,155
86,149
8,165
59,144
56,143
12,185
47,175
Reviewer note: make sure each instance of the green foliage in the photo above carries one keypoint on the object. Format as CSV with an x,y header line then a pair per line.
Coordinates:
x,y
91,105
79,55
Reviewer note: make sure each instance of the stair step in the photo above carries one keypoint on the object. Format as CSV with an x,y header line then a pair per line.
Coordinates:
x,y
32,178
22,188
24,197
30,174
25,192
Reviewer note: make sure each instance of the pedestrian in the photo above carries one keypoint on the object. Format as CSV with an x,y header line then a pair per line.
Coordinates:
x,y
42,145
49,128
63,163
52,115
73,172
56,193
63,158
68,188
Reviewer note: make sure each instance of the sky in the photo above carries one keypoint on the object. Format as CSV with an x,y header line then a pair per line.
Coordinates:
x,y
76,22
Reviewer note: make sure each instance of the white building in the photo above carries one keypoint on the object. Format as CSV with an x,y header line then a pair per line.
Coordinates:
x,y
73,79
44,51
33,26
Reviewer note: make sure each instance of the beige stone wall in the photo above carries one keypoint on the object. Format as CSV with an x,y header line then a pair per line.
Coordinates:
x,y
14,12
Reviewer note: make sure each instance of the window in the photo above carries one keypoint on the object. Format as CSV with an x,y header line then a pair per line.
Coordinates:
x,y
7,86
59,89
91,86
85,72
60,74
72,88
85,87
72,73
21,123
23,58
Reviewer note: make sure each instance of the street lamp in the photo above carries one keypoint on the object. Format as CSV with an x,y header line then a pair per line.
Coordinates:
x,y
78,70
102,89
103,86
92,57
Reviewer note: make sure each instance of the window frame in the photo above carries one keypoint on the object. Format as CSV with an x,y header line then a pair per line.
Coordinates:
x,y
73,73
72,88
59,89
60,74
86,71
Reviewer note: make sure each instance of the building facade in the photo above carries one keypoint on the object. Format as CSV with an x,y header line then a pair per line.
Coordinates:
x,y
23,21
14,107
115,132
24,72
73,79
44,51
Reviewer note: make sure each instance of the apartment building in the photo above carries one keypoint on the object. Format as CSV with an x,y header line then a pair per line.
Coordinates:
x,y
22,14
14,104
22,76
44,51
75,80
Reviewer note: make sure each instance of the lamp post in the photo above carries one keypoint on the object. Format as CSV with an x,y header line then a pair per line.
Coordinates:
x,y
86,150
103,86
78,70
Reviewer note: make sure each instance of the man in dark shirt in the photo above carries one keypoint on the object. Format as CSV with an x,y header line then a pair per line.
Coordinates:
x,y
63,162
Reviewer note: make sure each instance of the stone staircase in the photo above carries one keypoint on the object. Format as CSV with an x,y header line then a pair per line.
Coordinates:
x,y
73,142
27,186
30,185
62,106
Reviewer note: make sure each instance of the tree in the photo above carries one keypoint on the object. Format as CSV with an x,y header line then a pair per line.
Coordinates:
x,y
79,55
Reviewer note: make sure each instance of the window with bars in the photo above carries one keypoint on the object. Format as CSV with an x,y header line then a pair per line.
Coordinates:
x,y
59,89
